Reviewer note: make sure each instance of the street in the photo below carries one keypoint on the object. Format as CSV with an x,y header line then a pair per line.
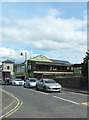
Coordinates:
x,y
38,104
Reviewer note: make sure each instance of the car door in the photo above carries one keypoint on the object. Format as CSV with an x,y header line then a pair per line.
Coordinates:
x,y
12,82
41,84
26,83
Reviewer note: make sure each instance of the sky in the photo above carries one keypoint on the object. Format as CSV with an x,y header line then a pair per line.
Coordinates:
x,y
57,30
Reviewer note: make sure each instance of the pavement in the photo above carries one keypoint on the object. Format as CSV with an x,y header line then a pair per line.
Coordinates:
x,y
83,91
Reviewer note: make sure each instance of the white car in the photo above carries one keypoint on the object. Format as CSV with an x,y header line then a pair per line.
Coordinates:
x,y
17,81
30,82
48,85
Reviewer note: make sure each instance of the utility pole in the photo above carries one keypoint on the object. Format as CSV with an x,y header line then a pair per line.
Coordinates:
x,y
88,74
25,63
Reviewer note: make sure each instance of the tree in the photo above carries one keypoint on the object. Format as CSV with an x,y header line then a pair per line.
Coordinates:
x,y
85,60
84,81
85,64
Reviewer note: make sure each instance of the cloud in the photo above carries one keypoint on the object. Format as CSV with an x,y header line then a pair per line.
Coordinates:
x,y
45,1
49,33
53,12
14,55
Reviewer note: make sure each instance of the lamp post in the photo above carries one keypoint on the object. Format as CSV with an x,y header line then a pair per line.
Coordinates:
x,y
25,63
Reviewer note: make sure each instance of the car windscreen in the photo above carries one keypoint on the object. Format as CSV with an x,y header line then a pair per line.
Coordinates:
x,y
50,81
32,80
18,80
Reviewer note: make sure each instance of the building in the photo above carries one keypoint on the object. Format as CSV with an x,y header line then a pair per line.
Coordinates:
x,y
7,70
20,70
77,68
0,72
41,66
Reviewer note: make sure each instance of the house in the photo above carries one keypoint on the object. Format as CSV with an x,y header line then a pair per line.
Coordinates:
x,y
19,70
41,66
7,70
0,72
77,69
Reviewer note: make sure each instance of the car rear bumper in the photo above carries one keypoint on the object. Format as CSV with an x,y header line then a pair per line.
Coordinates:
x,y
18,84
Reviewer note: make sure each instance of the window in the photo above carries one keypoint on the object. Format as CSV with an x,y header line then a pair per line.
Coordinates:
x,y
68,68
8,67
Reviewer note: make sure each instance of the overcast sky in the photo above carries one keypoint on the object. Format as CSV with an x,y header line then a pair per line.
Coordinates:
x,y
57,30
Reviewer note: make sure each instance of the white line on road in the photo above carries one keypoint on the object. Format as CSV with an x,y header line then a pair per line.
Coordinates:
x,y
66,100
39,92
56,97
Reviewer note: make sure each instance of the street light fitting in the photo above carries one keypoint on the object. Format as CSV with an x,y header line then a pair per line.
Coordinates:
x,y
21,53
24,54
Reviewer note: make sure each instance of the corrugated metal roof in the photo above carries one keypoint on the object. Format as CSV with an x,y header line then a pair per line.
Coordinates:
x,y
60,61
41,58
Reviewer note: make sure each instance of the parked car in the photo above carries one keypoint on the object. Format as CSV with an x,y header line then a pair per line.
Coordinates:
x,y
30,82
48,85
17,81
4,82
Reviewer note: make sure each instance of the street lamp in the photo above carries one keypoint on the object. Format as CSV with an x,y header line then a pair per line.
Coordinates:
x,y
25,55
25,63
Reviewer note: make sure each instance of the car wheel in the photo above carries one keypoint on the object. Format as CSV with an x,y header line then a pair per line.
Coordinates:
x,y
12,84
44,89
24,86
36,87
29,85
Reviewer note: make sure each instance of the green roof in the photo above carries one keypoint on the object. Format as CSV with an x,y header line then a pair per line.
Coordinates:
x,y
40,58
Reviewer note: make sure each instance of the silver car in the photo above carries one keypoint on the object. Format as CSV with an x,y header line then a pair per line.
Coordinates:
x,y
17,81
48,85
30,82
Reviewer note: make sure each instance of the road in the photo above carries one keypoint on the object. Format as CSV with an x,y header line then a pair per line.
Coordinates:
x,y
38,104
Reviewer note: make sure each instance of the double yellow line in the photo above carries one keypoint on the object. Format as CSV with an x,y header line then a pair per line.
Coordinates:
x,y
86,103
18,105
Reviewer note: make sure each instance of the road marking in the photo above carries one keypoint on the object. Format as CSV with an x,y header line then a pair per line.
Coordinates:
x,y
66,100
85,103
39,92
7,106
60,97
79,93
18,105
14,109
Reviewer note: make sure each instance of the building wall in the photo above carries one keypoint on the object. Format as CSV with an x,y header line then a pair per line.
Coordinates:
x,y
51,69
37,69
20,71
5,67
0,72
77,69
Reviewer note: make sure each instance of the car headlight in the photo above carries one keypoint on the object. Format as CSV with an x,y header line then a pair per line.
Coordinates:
x,y
48,87
60,86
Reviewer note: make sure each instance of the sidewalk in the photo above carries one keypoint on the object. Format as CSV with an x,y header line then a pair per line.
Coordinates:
x,y
76,90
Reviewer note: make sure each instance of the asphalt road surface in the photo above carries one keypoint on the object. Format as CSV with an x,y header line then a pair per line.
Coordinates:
x,y
37,104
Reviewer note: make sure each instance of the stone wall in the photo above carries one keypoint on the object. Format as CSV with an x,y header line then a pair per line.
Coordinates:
x,y
74,82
